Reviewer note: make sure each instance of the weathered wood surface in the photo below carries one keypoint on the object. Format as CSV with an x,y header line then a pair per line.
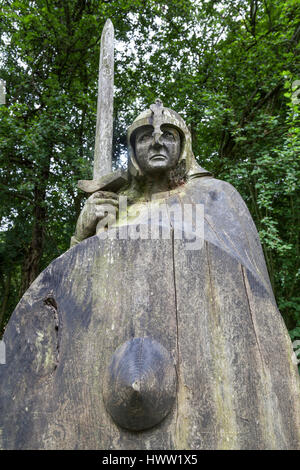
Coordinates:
x,y
139,387
110,182
212,309
104,124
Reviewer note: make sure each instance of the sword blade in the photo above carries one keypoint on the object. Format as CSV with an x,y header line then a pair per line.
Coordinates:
x,y
104,125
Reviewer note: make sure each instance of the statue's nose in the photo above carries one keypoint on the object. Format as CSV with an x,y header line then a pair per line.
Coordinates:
x,y
157,139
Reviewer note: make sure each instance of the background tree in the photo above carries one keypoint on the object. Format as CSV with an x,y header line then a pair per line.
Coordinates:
x,y
228,68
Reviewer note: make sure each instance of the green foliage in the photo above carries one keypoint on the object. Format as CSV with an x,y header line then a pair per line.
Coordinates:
x,y
228,68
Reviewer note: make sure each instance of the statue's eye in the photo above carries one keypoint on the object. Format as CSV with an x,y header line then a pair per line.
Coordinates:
x,y
168,135
145,137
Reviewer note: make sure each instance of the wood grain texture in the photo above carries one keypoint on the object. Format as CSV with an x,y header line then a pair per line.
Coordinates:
x,y
213,310
139,386
110,182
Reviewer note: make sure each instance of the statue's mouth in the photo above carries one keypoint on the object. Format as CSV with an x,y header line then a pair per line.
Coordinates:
x,y
158,158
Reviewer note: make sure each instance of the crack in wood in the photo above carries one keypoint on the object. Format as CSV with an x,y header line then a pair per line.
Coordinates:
x,y
51,302
177,367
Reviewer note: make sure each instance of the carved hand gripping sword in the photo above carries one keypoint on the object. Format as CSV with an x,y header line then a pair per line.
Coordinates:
x,y
103,178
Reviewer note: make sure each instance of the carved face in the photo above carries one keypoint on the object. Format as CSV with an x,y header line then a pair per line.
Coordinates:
x,y
159,152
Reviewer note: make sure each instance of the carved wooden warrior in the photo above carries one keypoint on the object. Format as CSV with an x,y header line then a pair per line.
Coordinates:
x,y
161,330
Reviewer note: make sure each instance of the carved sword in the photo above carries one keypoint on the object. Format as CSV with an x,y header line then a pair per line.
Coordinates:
x,y
103,178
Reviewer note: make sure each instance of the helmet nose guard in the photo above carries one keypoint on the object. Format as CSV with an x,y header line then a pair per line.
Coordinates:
x,y
157,119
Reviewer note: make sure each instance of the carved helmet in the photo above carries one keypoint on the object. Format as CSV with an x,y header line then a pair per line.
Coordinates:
x,y
156,117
